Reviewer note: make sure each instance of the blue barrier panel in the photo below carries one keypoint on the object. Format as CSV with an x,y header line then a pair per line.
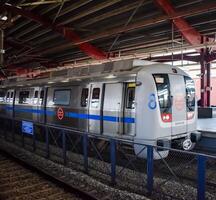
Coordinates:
x,y
64,147
47,142
85,152
113,160
201,169
150,168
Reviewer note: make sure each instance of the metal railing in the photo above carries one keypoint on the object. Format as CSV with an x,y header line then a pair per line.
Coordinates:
x,y
112,157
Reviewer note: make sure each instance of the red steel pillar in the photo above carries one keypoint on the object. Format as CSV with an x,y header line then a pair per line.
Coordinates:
x,y
208,89
205,77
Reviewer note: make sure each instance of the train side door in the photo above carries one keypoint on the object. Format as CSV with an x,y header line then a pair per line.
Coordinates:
x,y
112,109
129,109
177,87
95,112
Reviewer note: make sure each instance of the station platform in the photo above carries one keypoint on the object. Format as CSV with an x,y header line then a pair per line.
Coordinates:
x,y
207,127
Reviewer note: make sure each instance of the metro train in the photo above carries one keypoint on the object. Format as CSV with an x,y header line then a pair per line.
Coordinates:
x,y
148,103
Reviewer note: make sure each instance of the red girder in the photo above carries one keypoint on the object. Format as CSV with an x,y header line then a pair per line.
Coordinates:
x,y
68,34
188,32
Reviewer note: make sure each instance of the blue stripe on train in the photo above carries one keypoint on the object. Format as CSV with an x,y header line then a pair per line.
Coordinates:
x,y
74,115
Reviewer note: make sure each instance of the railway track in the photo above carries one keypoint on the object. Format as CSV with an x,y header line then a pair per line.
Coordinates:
x,y
19,180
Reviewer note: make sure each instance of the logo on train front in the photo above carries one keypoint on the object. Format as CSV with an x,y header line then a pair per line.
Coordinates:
x,y
60,113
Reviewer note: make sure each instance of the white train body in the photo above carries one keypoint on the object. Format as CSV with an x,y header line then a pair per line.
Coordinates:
x,y
148,103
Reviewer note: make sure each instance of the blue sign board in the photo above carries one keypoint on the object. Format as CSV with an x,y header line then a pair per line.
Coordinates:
x,y
27,127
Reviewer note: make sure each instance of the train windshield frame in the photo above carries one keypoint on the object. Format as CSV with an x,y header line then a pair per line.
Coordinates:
x,y
163,91
190,94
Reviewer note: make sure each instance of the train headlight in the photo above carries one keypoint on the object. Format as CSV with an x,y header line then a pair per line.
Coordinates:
x,y
166,117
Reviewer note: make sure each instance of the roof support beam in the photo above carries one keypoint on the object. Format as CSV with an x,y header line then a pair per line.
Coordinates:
x,y
188,32
67,33
154,20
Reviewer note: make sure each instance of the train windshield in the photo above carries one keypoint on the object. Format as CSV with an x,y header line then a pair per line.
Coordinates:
x,y
163,91
190,94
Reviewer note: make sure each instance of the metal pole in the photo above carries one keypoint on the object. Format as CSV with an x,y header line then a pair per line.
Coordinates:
x,y
34,140
208,89
85,152
204,78
23,140
47,142
13,130
150,168
64,147
201,167
113,160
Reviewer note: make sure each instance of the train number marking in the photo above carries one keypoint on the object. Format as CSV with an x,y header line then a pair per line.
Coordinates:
x,y
60,113
152,102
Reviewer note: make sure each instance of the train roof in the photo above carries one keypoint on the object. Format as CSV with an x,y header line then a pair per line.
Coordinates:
x,y
127,69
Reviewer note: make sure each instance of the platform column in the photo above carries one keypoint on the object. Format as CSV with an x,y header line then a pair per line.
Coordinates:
x,y
205,78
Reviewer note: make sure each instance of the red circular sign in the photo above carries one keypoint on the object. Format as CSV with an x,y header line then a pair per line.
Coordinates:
x,y
60,113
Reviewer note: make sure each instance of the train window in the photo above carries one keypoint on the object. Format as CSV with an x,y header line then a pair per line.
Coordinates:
x,y
96,93
36,94
190,93
130,96
95,97
11,97
84,97
8,97
2,96
24,97
41,97
62,97
163,91
35,100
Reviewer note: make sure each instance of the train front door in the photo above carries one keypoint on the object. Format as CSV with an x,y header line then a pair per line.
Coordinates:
x,y
178,95
95,113
112,109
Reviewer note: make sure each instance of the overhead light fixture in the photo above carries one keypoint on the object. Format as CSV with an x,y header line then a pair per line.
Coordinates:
x,y
50,82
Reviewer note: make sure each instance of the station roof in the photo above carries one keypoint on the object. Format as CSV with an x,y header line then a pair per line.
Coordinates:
x,y
40,35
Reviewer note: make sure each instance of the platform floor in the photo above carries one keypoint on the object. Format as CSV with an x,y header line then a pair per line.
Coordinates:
x,y
207,125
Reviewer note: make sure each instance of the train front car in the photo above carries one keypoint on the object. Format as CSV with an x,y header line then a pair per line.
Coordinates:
x,y
166,109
